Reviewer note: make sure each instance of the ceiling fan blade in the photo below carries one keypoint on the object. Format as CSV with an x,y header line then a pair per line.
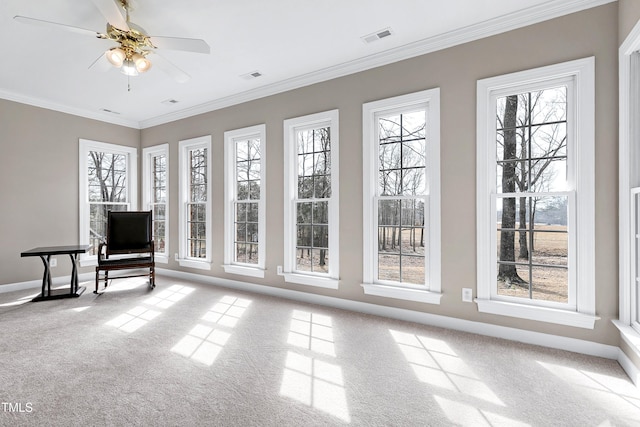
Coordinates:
x,y
101,64
40,22
178,43
168,67
113,12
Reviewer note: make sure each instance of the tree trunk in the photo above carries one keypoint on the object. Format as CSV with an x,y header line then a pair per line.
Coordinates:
x,y
507,272
524,248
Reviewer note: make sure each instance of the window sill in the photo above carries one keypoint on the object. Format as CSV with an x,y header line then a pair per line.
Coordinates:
x,y
303,279
244,270
540,314
419,295
629,335
89,262
191,263
162,259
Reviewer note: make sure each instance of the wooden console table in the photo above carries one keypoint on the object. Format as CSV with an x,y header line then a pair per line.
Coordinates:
x,y
45,254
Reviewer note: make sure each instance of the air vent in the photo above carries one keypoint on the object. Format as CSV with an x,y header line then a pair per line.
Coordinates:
x,y
170,101
370,38
252,75
106,110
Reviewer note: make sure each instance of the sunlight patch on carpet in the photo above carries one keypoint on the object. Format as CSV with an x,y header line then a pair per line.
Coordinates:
x,y
602,390
435,363
133,319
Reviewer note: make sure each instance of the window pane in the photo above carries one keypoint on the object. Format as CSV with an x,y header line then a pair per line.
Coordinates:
x,y
401,240
550,284
388,267
413,270
107,177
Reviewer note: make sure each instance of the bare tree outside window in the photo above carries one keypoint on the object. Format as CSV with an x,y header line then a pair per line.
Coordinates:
x,y
107,191
531,144
159,201
247,200
196,206
401,201
312,205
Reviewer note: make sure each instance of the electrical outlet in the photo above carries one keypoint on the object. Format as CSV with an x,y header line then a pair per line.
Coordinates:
x,y
467,295
175,256
279,268
53,262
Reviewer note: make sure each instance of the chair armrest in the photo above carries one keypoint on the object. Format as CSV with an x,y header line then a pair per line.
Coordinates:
x,y
100,252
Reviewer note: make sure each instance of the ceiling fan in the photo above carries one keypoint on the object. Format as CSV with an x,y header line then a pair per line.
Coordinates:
x,y
133,45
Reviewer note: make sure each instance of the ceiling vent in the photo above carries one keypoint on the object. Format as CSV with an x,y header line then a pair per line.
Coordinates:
x,y
170,101
252,75
106,110
370,38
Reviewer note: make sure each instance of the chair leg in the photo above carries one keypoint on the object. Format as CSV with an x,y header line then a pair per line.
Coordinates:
x,y
152,277
97,280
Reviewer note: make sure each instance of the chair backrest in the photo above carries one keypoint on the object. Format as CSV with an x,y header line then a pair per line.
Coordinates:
x,y
129,231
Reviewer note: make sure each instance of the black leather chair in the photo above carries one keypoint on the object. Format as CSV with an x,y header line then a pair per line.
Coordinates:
x,y
128,233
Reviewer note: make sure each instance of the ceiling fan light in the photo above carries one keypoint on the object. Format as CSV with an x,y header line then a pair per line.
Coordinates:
x,y
116,56
129,68
142,64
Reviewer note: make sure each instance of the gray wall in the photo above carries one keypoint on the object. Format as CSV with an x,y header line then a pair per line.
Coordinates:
x,y
455,71
50,194
628,13
39,183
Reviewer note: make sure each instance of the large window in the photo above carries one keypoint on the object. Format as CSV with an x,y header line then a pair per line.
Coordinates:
x,y
245,173
535,194
311,200
107,182
401,205
155,195
195,203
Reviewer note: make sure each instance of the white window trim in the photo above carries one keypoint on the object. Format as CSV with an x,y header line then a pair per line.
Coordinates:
x,y
85,146
431,291
148,154
183,182
582,113
230,139
330,280
629,172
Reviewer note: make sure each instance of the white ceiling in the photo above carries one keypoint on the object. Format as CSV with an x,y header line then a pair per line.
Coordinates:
x,y
291,42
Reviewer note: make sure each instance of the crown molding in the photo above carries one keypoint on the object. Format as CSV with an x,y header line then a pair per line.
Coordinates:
x,y
49,105
512,21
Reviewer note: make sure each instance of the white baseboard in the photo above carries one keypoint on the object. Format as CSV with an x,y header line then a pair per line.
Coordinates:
x,y
513,334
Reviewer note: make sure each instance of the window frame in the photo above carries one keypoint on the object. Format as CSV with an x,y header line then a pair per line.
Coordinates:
x,y
429,100
230,195
185,146
579,311
331,279
86,146
148,153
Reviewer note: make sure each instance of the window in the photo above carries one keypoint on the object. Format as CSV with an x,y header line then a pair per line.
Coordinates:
x,y
536,194
311,200
195,203
401,197
155,195
244,197
628,321
108,182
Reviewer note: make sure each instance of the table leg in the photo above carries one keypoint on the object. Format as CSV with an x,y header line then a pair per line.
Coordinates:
x,y
46,277
74,273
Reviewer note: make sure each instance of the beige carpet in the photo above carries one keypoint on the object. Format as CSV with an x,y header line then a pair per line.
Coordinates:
x,y
189,354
